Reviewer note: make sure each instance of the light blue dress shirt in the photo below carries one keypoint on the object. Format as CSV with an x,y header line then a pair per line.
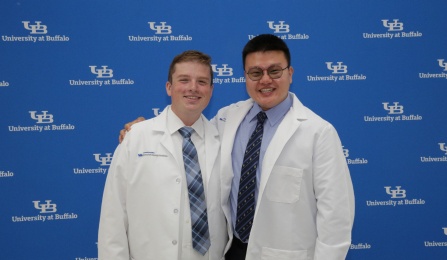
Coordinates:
x,y
274,117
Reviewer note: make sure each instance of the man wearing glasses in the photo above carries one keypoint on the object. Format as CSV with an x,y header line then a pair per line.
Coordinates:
x,y
303,201
286,188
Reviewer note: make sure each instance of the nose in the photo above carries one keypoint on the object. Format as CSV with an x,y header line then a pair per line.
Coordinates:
x,y
194,85
265,77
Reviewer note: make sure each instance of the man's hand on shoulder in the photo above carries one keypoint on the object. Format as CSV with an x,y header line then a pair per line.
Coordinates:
x,y
127,128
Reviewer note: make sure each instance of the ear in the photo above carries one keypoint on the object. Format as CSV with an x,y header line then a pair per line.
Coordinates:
x,y
212,88
290,73
168,88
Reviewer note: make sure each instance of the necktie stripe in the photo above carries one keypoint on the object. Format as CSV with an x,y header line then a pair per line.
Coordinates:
x,y
247,185
199,219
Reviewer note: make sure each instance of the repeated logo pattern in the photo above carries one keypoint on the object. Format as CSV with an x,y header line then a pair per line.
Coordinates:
x,y
72,75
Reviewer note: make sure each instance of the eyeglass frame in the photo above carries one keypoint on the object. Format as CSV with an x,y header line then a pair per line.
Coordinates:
x,y
267,69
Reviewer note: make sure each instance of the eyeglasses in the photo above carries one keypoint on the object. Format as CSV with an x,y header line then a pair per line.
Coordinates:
x,y
257,73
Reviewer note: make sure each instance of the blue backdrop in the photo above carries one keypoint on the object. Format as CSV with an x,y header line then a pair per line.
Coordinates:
x,y
73,72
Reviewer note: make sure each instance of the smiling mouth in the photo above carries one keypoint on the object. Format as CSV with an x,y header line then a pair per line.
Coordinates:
x,y
192,97
266,90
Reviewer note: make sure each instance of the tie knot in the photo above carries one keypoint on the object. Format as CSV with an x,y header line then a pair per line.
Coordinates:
x,y
261,117
186,131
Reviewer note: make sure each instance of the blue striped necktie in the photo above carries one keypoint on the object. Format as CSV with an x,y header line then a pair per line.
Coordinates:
x,y
247,184
197,203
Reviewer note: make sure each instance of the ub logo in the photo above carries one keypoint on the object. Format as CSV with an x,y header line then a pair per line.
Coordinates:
x,y
393,26
442,64
35,29
445,231
46,207
102,73
105,161
397,193
160,29
279,28
345,152
156,111
43,118
443,147
337,69
396,109
222,71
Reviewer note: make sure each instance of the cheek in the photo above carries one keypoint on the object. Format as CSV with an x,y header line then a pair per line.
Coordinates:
x,y
207,90
251,87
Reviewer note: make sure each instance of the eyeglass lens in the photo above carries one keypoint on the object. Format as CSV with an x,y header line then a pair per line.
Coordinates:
x,y
274,72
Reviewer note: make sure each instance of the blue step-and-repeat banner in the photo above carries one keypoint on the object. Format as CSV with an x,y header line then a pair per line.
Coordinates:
x,y
72,73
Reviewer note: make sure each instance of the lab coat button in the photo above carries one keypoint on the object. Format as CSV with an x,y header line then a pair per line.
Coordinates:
x,y
174,242
177,180
175,211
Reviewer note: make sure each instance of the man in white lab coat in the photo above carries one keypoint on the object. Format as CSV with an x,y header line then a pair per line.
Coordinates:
x,y
304,200
145,212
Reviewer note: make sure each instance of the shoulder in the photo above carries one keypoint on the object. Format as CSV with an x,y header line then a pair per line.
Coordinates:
x,y
209,126
309,119
145,129
234,106
157,123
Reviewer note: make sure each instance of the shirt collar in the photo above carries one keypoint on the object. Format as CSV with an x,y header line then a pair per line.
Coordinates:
x,y
274,114
174,123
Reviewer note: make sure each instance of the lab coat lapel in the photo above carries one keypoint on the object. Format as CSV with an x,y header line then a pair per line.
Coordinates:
x,y
211,149
166,139
234,117
286,129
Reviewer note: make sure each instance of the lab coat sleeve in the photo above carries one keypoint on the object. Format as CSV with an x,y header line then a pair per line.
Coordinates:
x,y
112,236
335,197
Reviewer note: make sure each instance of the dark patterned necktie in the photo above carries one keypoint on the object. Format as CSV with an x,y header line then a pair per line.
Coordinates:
x,y
197,203
247,184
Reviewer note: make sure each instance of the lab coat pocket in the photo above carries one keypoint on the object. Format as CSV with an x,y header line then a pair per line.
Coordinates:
x,y
276,254
284,184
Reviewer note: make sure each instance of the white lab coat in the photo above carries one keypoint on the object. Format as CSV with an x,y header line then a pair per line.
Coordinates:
x,y
305,206
140,214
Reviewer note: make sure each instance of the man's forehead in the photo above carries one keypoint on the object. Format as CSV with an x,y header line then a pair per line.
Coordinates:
x,y
189,64
274,53
184,69
271,57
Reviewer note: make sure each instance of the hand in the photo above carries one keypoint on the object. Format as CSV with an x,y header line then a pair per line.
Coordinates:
x,y
127,128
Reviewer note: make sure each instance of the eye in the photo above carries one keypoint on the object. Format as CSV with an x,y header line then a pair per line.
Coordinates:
x,y
255,73
274,71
